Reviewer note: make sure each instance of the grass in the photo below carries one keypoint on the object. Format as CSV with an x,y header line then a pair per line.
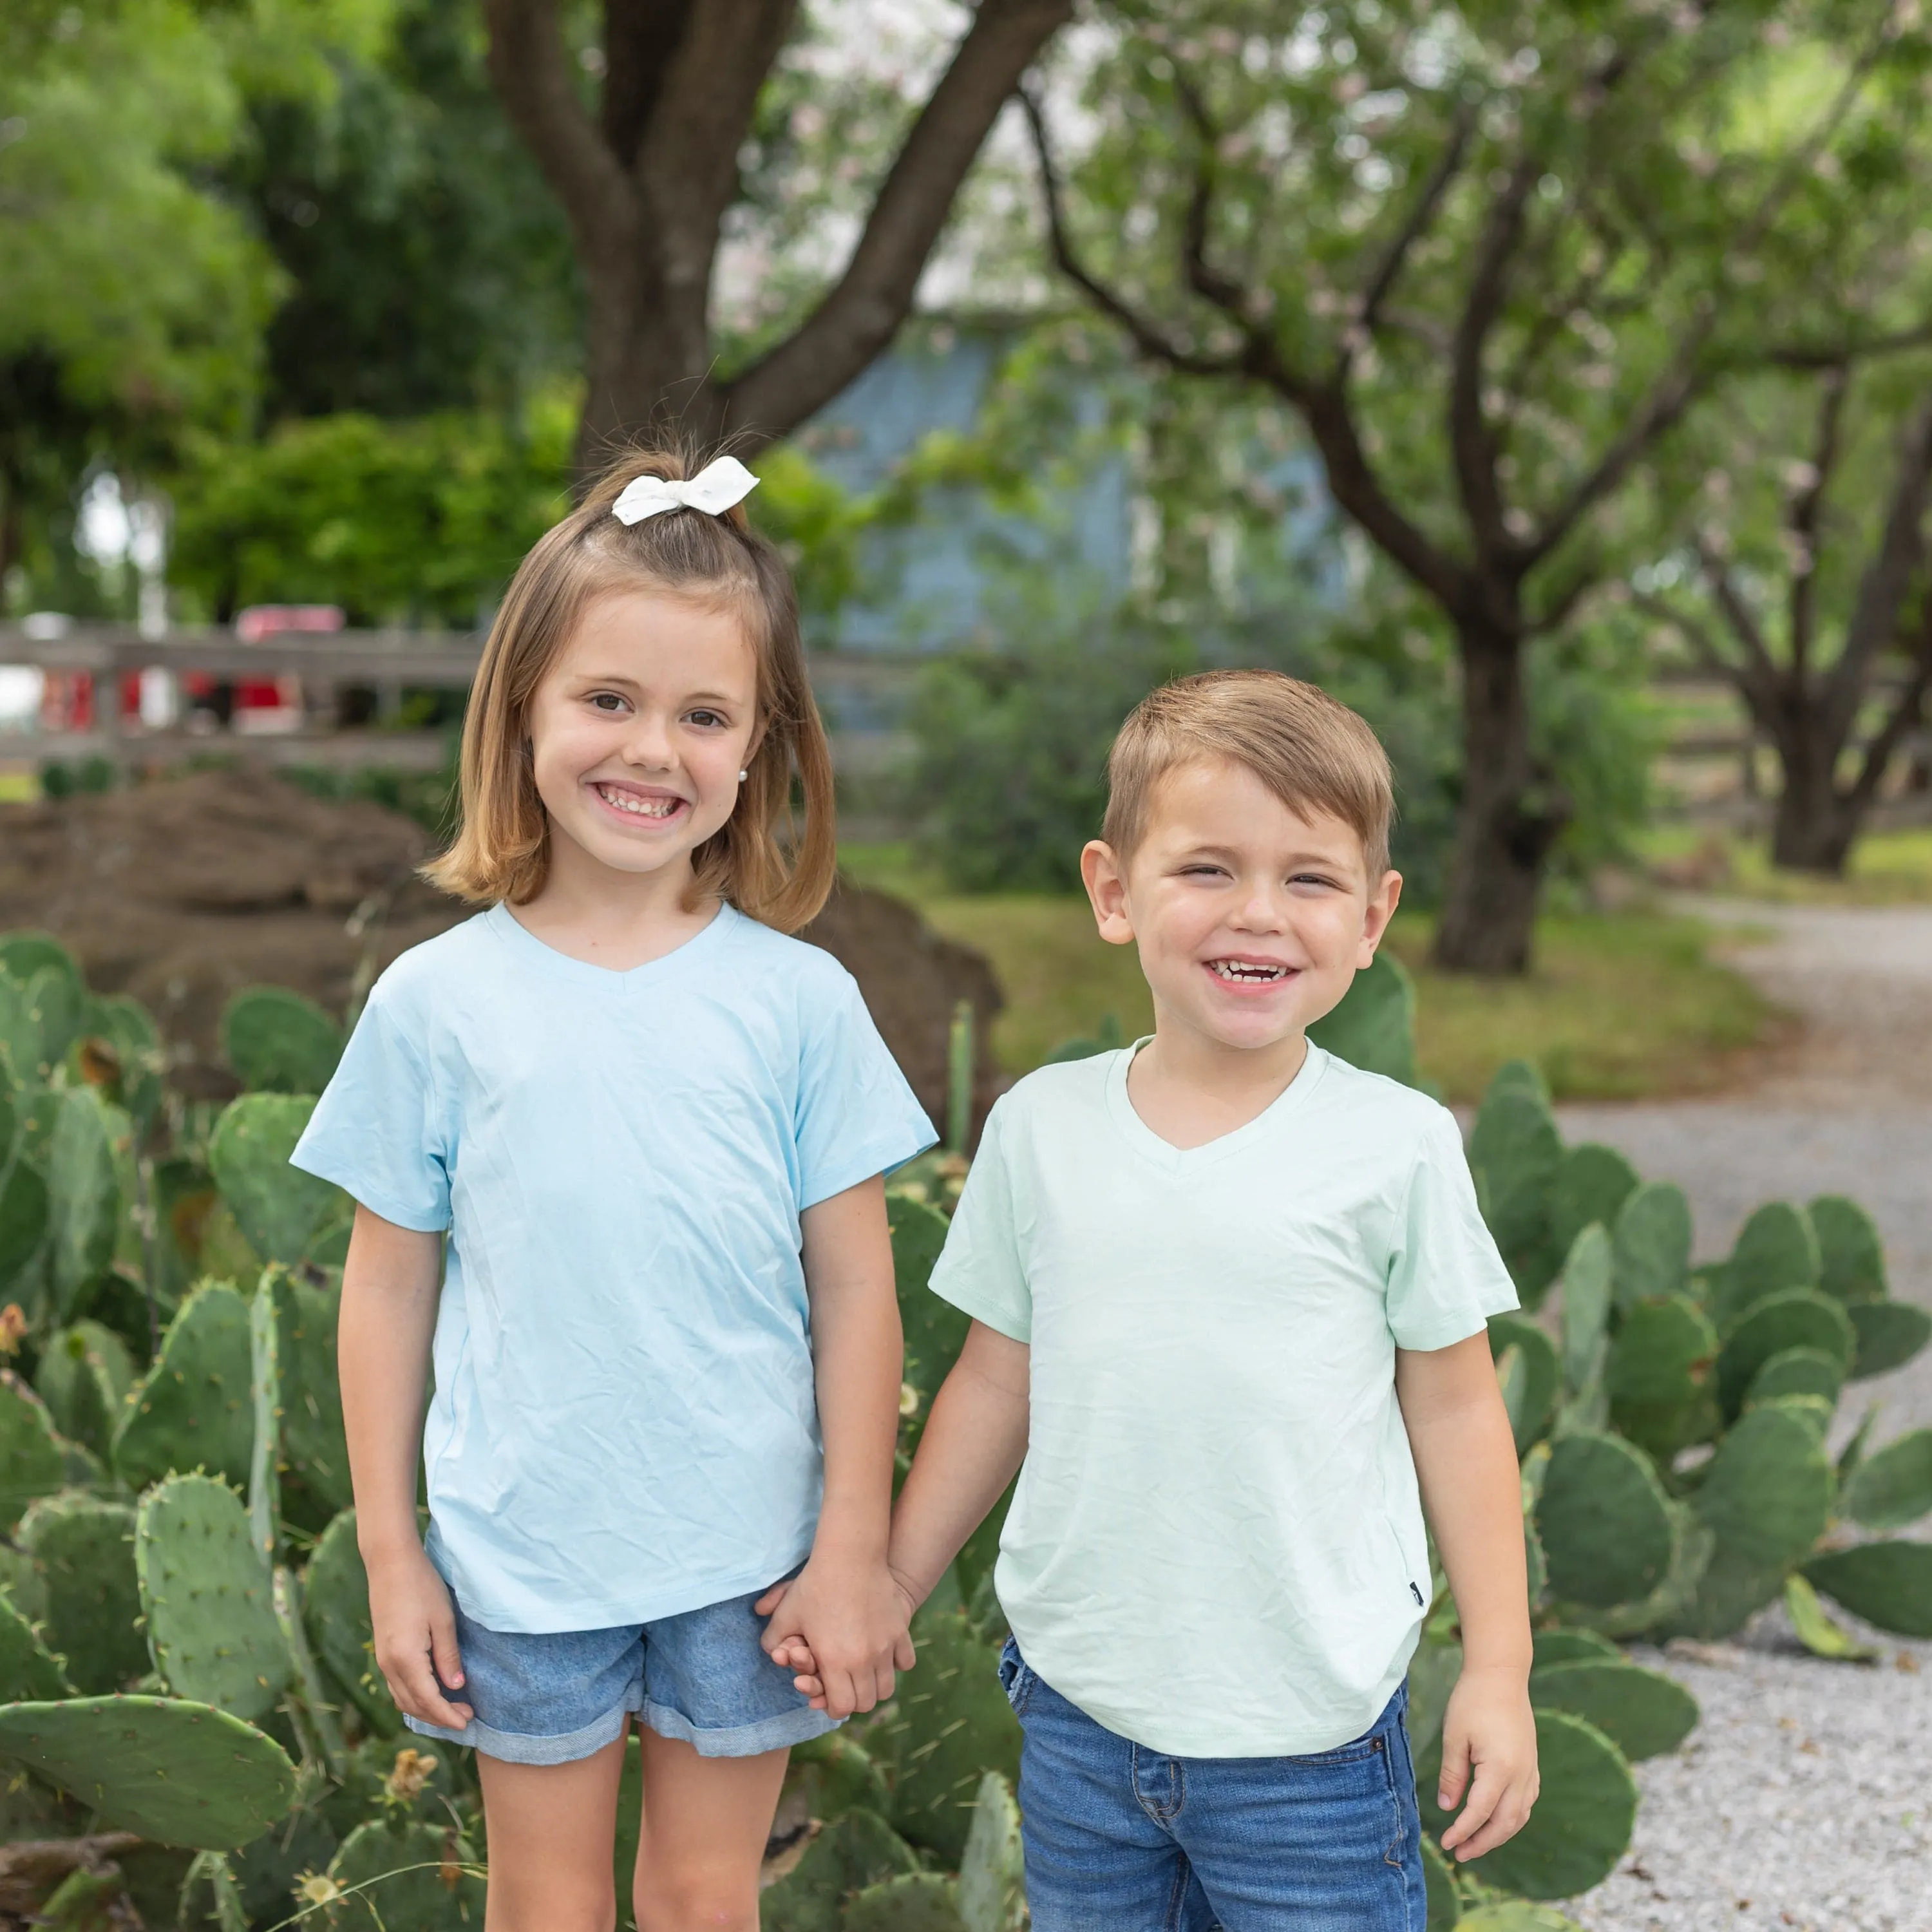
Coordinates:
x,y
1619,1007
1885,868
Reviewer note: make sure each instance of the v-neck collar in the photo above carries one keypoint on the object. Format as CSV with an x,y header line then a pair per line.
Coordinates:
x,y
1164,1154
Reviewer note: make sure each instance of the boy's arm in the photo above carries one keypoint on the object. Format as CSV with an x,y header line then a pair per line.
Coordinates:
x,y
391,1281
975,1440
843,1603
1466,1461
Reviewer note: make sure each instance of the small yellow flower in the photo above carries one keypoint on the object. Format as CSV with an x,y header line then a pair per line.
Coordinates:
x,y
318,1888
12,1327
407,1780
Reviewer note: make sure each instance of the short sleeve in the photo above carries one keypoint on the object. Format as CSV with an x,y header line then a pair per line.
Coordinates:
x,y
375,1131
1445,1276
855,1115
980,1269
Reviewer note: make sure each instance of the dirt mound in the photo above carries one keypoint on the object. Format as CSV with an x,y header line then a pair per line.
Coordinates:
x,y
180,891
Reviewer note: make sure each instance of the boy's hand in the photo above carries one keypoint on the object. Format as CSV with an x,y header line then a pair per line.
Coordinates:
x,y
1488,1730
415,1630
795,1654
843,1623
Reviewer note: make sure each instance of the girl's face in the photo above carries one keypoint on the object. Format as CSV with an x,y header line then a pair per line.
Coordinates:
x,y
640,728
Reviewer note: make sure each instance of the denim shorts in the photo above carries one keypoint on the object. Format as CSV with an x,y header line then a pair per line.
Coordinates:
x,y
554,1697
1119,1838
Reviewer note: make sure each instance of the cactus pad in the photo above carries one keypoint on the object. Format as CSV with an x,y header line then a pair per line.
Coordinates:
x,y
1537,1354
992,1873
41,1002
211,1624
839,1774
1581,1826
1796,1318
279,1208
1572,1646
1776,1251
1889,1584
1767,1493
951,1724
313,1443
335,1613
1658,1373
1606,1532
278,1042
27,1673
192,1410
409,1878
179,1773
85,1372
84,1549
935,1331
1892,1486
1851,1256
1373,1027
1642,1712
917,1902
1652,1241
1592,1184
23,1227
856,1851
1445,1908
1586,1308
1814,1372
1811,1623
83,1193
30,1465
1515,1149
1889,1334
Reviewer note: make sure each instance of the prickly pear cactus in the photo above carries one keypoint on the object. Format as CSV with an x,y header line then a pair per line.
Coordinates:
x,y
1889,1334
279,1042
1541,1371
205,1592
313,1443
1515,1150
406,1878
917,1902
1891,1488
1592,1185
335,1612
192,1409
28,1671
1586,1305
1651,1238
85,1374
279,1208
935,1331
1658,1375
1642,1712
1374,1027
1799,1371
1795,1317
853,1851
949,1725
179,1773
1776,1251
84,1201
1889,1584
992,1872
1851,1256
1602,1519
83,1549
31,1463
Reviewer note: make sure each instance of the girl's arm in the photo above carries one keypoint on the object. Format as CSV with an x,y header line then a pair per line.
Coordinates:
x,y
974,1442
390,1286
843,1604
1465,1454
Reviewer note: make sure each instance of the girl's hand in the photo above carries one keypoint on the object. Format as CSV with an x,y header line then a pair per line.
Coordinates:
x,y
1488,1729
845,1624
416,1629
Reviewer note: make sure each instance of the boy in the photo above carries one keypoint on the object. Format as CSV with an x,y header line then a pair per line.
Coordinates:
x,y
1229,1298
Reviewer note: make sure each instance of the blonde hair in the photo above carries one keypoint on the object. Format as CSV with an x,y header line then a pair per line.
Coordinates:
x,y
1315,754
502,848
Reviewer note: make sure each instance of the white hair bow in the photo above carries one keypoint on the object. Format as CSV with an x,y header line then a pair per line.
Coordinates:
x,y
713,490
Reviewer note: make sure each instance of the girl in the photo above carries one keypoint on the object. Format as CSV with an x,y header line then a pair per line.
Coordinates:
x,y
653,1128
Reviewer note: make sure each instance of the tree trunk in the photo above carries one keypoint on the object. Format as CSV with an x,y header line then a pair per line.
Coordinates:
x,y
1509,815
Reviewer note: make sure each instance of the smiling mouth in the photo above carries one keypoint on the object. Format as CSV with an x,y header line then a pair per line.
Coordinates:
x,y
635,805
1248,972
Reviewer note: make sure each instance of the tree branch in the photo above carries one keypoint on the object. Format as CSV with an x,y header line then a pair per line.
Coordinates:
x,y
1147,336
1471,441
860,314
1760,667
1807,508
531,72
1906,716
641,41
1814,357
1395,256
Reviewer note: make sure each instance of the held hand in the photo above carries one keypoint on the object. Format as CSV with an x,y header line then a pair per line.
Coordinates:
x,y
416,1628
1489,1748
842,1626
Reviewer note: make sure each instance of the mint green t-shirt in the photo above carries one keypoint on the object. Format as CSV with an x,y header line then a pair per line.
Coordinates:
x,y
1216,1547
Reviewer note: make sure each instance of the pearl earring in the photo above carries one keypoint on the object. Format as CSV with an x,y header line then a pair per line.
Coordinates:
x,y
742,776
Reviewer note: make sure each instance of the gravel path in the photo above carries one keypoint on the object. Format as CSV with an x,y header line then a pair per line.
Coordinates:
x,y
1804,1797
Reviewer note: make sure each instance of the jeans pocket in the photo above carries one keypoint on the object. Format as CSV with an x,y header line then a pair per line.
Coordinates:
x,y
1015,1679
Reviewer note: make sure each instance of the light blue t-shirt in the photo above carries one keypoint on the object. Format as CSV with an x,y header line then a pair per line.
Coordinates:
x,y
1216,1546
624,1425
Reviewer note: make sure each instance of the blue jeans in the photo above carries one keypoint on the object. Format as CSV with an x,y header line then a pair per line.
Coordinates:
x,y
1120,1838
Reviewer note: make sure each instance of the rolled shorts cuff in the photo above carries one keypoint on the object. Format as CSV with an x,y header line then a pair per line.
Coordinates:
x,y
769,1734
524,1748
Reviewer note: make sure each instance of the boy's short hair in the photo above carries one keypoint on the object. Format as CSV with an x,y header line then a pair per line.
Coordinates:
x,y
1314,754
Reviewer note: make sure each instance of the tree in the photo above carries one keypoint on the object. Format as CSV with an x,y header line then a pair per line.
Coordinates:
x,y
1492,255
1806,581
648,181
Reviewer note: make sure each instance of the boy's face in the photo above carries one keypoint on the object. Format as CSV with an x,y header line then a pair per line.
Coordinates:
x,y
1251,920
